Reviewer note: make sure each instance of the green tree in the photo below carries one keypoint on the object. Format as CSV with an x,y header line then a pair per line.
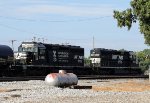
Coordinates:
x,y
87,61
144,59
139,11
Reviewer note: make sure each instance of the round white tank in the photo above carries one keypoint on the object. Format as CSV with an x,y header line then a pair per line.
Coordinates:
x,y
61,80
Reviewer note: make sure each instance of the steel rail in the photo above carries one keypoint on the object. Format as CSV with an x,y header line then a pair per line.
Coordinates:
x,y
27,78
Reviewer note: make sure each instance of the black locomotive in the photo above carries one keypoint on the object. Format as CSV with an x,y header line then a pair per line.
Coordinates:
x,y
35,58
35,53
114,62
101,57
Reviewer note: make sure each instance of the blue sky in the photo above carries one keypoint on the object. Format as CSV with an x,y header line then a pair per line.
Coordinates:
x,y
68,21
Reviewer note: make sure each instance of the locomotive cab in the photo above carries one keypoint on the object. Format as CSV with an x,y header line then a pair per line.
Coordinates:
x,y
30,53
95,58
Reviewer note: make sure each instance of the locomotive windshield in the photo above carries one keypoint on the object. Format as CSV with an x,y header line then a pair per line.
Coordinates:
x,y
27,48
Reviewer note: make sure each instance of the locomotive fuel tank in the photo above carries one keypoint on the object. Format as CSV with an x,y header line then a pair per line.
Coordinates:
x,y
61,79
6,55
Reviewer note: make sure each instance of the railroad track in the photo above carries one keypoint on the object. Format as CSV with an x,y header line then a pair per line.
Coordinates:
x,y
27,78
7,79
112,76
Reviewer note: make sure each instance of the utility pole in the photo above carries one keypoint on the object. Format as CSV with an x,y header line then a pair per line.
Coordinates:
x,y
38,39
43,40
93,42
12,42
34,39
66,43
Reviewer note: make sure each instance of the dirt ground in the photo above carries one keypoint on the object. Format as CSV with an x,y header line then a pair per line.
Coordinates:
x,y
129,86
3,90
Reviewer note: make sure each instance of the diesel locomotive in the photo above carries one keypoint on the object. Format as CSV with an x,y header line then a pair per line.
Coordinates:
x,y
36,58
101,57
109,61
35,53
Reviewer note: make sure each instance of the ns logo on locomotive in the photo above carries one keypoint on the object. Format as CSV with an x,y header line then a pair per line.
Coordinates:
x,y
36,58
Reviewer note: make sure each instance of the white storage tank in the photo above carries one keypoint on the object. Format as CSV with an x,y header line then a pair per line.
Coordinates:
x,y
61,79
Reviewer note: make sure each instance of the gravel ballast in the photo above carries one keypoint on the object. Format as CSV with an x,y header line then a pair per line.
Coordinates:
x,y
36,91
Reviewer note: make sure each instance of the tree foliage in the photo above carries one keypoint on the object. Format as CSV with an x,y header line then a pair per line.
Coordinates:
x,y
144,59
139,11
87,61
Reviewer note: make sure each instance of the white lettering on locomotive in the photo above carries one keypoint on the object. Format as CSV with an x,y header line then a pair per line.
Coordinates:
x,y
114,57
76,57
63,54
54,56
79,58
95,60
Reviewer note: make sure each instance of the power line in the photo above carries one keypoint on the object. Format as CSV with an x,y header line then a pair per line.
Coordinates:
x,y
19,30
14,28
42,20
14,18
34,20
36,34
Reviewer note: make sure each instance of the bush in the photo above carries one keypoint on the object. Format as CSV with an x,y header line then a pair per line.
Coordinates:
x,y
144,65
